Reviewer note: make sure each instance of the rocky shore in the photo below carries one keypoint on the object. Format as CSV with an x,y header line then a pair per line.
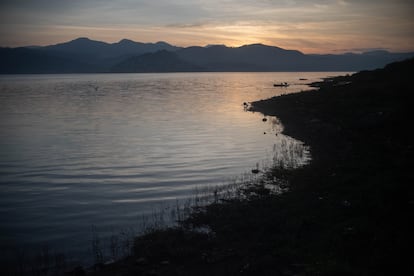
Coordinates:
x,y
348,212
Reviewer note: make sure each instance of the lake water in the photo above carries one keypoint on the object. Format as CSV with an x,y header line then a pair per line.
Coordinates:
x,y
104,149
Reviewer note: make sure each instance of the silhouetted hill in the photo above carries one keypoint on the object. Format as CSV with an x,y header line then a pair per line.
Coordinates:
x,y
27,60
77,56
79,45
255,57
85,55
258,57
106,50
105,55
161,61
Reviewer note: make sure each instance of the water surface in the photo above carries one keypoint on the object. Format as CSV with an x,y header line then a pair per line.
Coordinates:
x,y
103,149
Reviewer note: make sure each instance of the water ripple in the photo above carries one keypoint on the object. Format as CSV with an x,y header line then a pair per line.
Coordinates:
x,y
72,155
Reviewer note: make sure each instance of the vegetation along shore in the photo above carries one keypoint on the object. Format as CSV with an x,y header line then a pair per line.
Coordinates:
x,y
348,212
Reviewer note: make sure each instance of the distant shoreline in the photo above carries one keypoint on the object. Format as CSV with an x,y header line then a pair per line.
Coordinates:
x,y
172,72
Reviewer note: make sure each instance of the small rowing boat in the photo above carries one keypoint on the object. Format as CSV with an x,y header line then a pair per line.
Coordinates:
x,y
282,84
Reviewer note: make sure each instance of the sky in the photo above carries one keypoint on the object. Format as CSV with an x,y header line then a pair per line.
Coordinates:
x,y
310,26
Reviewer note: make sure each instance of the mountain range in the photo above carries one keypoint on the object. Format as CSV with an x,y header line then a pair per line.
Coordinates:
x,y
83,55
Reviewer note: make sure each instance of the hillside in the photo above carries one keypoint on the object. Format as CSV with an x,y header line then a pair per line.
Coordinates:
x,y
161,61
255,58
83,55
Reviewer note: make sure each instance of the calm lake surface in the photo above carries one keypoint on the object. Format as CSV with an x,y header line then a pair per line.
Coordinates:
x,y
104,149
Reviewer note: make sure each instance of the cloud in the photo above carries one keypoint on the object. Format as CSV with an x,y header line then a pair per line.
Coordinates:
x,y
328,23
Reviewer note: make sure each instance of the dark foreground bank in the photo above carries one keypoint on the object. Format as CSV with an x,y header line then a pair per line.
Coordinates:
x,y
349,212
